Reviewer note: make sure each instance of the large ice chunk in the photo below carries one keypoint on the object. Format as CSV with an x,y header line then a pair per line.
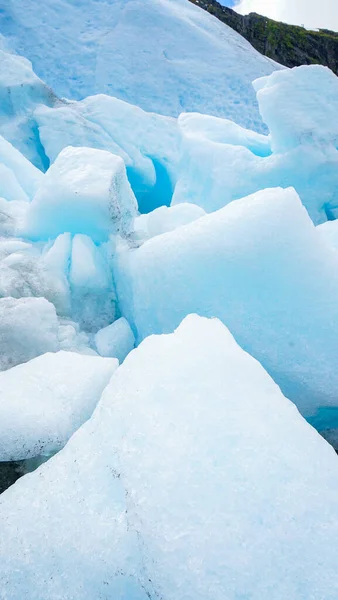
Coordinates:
x,y
85,191
220,164
115,340
28,327
260,266
45,400
197,422
147,142
299,106
161,493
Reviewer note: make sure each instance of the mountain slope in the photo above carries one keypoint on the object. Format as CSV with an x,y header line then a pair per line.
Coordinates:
x,y
167,56
289,45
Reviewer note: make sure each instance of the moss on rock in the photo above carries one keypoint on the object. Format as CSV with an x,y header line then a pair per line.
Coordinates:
x,y
289,45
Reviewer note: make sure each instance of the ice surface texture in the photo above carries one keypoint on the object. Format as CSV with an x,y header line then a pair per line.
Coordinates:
x,y
259,265
45,400
28,328
221,162
85,191
116,340
166,56
148,143
195,479
21,91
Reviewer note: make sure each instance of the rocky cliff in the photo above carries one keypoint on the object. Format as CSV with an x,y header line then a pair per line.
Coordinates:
x,y
287,44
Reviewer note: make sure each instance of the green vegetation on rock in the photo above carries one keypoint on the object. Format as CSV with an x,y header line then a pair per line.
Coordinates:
x,y
289,45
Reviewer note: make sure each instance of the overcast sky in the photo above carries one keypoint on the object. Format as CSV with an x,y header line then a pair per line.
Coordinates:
x,y
311,13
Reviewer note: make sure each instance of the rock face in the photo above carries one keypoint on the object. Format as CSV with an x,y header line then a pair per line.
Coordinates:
x,y
10,472
289,45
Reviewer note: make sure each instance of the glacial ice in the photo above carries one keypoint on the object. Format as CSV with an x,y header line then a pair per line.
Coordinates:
x,y
148,143
166,56
23,272
85,191
44,401
218,167
19,178
28,327
165,219
194,478
203,485
115,340
299,107
21,91
329,232
12,215
91,284
260,266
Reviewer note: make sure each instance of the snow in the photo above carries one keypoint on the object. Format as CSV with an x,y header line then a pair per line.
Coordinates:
x,y
28,328
116,340
166,56
44,401
221,164
84,191
260,266
133,507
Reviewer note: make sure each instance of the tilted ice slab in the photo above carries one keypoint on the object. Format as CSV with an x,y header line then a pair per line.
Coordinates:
x,y
147,142
166,56
85,191
260,266
21,91
28,327
45,400
221,163
175,452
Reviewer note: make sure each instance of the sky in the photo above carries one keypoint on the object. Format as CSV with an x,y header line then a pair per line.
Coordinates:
x,y
311,13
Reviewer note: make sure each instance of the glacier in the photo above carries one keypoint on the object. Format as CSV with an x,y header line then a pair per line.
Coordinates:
x,y
168,309
260,266
196,63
